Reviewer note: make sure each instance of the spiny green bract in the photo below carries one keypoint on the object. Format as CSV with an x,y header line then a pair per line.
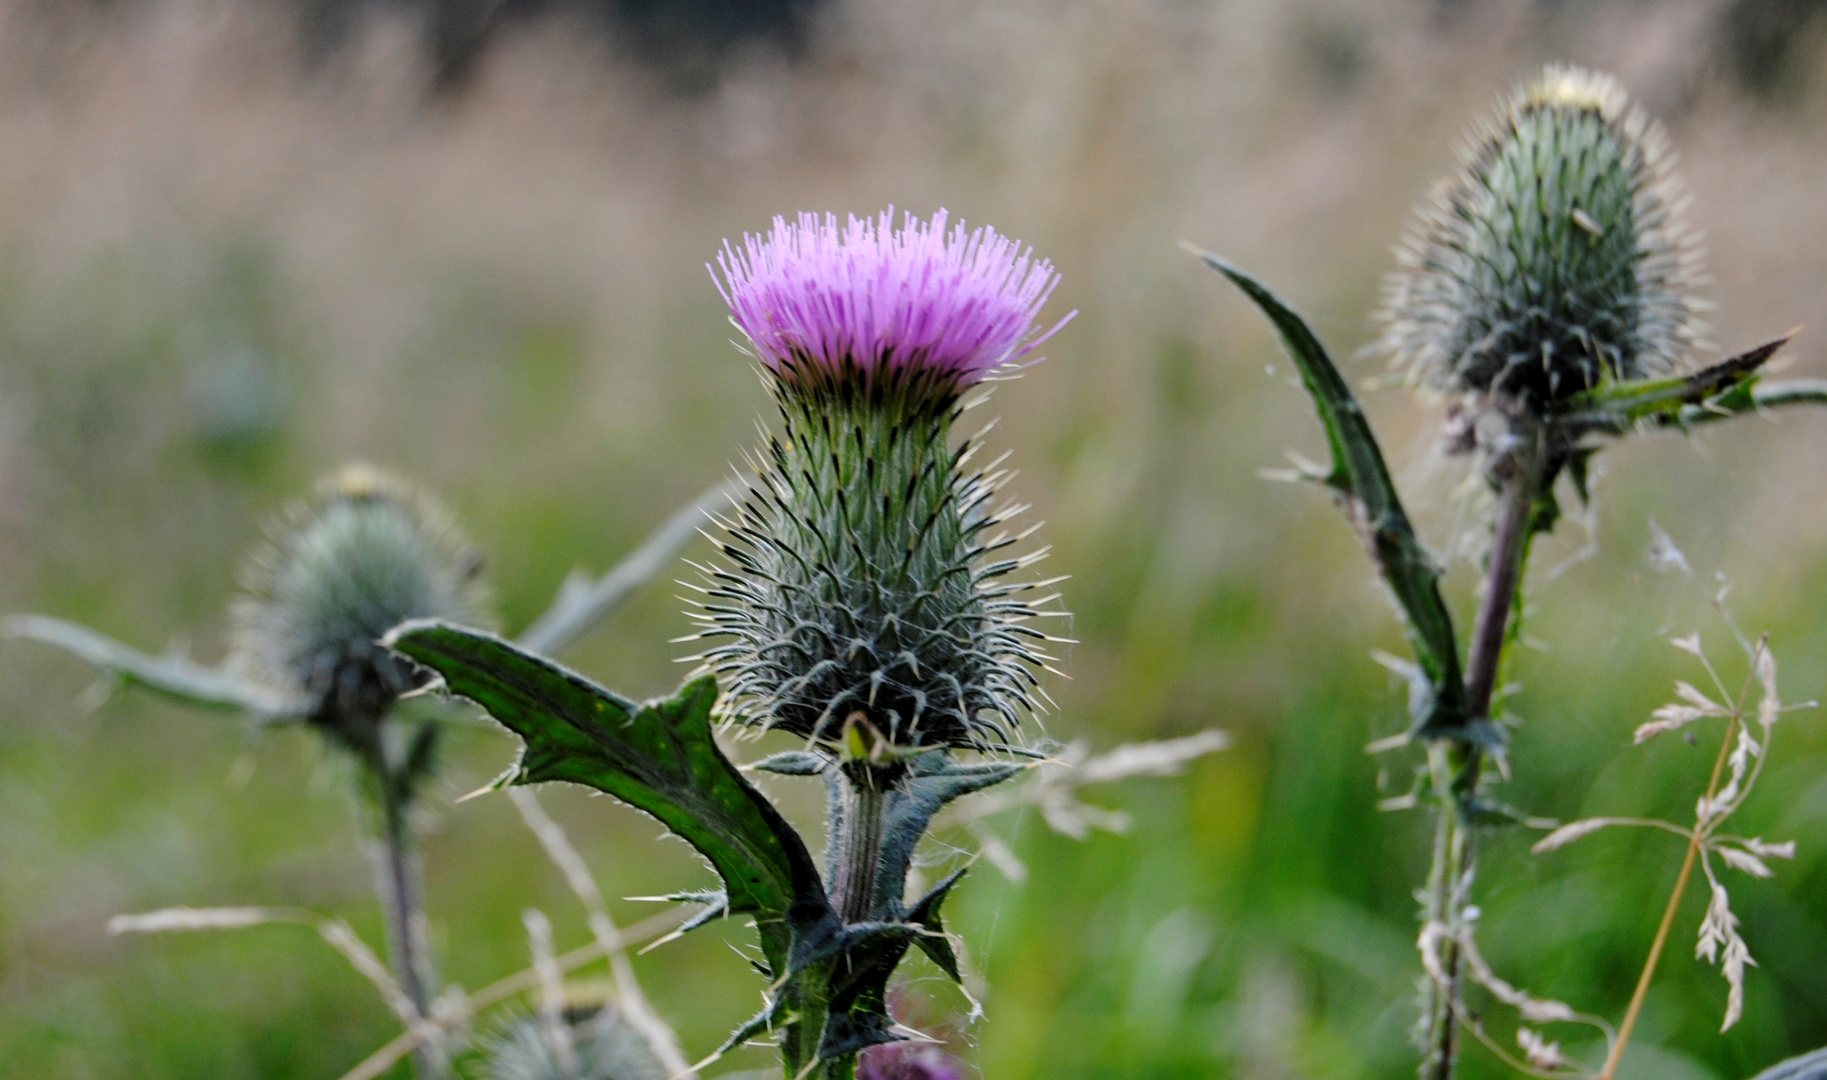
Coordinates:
x,y
366,554
865,576
1554,260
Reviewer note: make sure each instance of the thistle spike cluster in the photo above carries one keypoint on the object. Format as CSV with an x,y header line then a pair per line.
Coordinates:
x,y
1555,260
365,554
869,573
603,1045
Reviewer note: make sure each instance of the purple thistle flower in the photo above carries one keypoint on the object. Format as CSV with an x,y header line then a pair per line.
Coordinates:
x,y
920,301
858,590
908,1061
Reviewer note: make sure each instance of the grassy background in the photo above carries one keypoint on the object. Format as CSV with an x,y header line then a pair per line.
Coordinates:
x,y
228,264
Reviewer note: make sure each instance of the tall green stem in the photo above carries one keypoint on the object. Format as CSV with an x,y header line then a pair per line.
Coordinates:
x,y
1455,765
864,787
400,885
859,840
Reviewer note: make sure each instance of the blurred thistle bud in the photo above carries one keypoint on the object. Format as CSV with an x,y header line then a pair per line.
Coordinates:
x,y
365,554
866,578
1555,261
591,1041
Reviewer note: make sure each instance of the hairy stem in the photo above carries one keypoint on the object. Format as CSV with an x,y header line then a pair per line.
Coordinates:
x,y
799,1041
842,1068
859,841
1455,765
401,887
1503,579
863,793
1668,913
1444,904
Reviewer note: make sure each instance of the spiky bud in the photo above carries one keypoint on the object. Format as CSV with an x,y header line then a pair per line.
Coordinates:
x,y
1555,260
365,554
866,565
601,1045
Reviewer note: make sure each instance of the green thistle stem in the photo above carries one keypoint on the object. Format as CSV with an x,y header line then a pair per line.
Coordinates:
x,y
1443,904
400,884
862,828
859,841
1455,766
809,1005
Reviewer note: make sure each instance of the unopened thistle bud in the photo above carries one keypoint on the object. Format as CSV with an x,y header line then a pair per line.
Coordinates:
x,y
867,577
602,1045
365,554
1555,260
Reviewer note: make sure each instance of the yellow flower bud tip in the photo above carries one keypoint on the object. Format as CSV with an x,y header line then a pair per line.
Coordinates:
x,y
359,481
1562,86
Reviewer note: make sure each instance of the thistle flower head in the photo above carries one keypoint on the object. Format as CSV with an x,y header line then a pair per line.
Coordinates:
x,y
365,554
866,580
1555,259
602,1045
871,303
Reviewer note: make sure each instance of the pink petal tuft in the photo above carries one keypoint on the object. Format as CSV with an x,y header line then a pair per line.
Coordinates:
x,y
887,301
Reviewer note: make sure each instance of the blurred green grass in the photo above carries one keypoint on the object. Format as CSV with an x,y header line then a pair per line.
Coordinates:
x,y
223,272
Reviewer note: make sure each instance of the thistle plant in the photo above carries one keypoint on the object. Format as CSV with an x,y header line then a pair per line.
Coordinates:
x,y
868,601
365,553
1545,296
578,1031
1555,261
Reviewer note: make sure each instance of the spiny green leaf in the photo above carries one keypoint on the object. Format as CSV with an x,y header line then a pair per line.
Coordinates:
x,y
1751,396
933,942
1361,479
793,763
848,1033
933,780
659,757
753,1026
1725,387
174,676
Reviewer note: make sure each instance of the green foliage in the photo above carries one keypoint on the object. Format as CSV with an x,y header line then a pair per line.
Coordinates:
x,y
933,779
174,676
658,757
1360,480
1728,388
829,979
1258,921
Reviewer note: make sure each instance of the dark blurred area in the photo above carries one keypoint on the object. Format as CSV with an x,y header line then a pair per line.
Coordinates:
x,y
687,39
1771,45
243,242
